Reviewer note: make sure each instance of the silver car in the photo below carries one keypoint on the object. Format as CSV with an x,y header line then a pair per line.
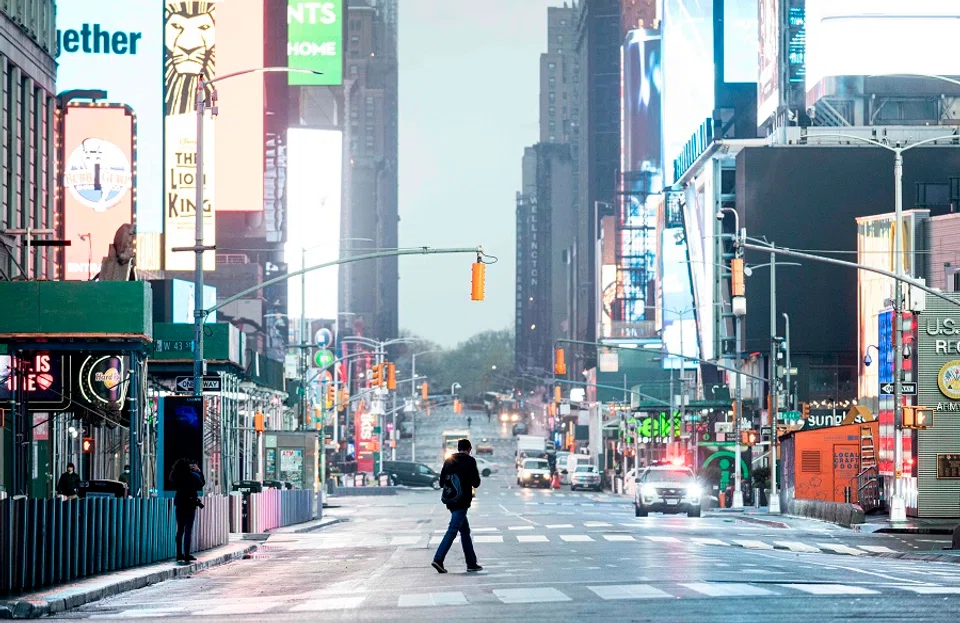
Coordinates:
x,y
667,490
585,477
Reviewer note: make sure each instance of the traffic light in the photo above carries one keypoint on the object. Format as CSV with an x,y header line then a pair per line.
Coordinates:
x,y
317,417
391,376
258,423
477,278
560,364
89,445
376,376
917,418
424,391
457,406
331,395
805,410
344,399
557,397
748,438
736,280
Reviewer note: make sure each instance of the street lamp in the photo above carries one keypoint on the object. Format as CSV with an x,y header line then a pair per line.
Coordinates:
x,y
413,397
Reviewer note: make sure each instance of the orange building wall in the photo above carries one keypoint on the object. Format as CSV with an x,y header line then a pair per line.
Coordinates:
x,y
826,462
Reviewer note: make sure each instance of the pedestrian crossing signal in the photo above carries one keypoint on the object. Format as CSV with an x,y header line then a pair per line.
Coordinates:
x,y
917,418
748,437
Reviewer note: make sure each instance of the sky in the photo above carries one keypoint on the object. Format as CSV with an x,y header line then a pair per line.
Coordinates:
x,y
469,92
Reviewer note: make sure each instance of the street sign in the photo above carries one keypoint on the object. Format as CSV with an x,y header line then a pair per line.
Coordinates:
x,y
791,416
323,337
210,383
323,358
907,389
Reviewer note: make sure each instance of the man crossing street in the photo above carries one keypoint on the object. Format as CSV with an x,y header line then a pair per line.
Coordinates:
x,y
458,478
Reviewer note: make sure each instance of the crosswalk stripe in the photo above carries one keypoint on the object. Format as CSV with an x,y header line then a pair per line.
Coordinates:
x,y
576,538
629,591
663,539
554,526
532,538
488,538
484,529
453,598
520,528
329,603
618,537
435,540
597,524
933,590
831,589
840,549
752,544
727,589
706,541
405,540
529,595
876,549
795,546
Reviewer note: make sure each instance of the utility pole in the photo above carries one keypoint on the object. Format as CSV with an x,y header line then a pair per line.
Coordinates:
x,y
303,341
898,507
739,303
774,501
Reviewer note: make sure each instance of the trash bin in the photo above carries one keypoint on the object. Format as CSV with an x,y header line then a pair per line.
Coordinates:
x,y
102,489
246,487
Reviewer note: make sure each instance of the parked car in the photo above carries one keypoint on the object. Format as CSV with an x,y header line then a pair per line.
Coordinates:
x,y
484,447
486,467
585,477
411,474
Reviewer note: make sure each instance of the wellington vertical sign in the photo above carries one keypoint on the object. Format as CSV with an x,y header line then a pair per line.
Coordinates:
x,y
315,42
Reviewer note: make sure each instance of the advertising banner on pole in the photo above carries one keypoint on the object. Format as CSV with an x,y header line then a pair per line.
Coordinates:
x,y
315,41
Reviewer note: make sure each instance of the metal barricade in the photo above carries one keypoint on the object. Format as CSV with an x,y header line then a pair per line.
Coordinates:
x,y
272,508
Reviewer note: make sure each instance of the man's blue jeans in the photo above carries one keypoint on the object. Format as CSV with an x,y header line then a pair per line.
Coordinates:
x,y
458,523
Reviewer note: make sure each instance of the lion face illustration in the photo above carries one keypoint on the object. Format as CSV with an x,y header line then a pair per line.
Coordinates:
x,y
189,37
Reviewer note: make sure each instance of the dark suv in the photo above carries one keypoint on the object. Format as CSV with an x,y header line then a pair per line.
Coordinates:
x,y
667,490
411,474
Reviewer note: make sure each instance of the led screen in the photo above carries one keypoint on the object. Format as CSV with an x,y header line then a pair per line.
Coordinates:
x,y
97,178
181,433
688,89
642,85
871,37
679,319
768,87
117,47
183,305
314,180
315,42
740,40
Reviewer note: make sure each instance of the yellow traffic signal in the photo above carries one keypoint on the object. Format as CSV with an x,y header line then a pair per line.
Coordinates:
x,y
557,396
331,396
748,437
344,399
258,422
477,279
391,376
736,280
560,363
376,378
805,410
424,391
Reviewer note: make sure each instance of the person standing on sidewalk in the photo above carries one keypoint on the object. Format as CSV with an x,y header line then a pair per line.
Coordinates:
x,y
458,478
69,483
187,480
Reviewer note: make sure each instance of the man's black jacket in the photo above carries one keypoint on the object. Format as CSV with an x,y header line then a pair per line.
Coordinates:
x,y
465,467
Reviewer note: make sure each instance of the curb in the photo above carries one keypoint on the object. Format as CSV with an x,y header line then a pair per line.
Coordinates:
x,y
895,530
32,608
951,558
765,522
312,527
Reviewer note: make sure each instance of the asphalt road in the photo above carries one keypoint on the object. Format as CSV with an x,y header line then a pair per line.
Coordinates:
x,y
556,556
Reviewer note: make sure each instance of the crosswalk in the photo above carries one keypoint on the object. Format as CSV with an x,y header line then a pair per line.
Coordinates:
x,y
566,534
537,594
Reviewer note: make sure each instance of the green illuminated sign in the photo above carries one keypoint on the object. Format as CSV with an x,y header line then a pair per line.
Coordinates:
x,y
662,425
315,41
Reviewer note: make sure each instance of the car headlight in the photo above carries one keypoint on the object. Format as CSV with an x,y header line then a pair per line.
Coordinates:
x,y
648,491
504,417
694,491
515,417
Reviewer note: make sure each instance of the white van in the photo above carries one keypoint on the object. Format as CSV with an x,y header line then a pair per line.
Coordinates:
x,y
573,460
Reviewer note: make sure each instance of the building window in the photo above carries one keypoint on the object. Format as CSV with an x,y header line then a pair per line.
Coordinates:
x,y
552,139
354,41
552,126
353,70
552,81
551,97
551,66
552,110
563,22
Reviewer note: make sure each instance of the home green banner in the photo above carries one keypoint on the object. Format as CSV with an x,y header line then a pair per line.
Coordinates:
x,y
315,41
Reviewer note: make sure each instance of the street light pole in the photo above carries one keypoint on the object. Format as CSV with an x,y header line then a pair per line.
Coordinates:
x,y
898,507
199,365
303,341
774,501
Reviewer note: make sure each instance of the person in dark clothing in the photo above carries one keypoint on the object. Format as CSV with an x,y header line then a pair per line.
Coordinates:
x,y
125,476
464,467
188,481
69,483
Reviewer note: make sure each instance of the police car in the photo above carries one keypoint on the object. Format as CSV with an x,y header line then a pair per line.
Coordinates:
x,y
667,489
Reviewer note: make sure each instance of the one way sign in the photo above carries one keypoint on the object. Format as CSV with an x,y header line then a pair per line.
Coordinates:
x,y
908,389
210,383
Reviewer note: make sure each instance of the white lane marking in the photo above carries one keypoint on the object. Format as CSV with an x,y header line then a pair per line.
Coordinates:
x,y
831,589
405,540
618,537
488,538
142,613
529,595
597,524
796,546
752,544
329,603
576,538
432,599
435,540
877,549
485,529
520,528
933,590
705,541
553,526
532,538
840,549
727,589
629,591
663,539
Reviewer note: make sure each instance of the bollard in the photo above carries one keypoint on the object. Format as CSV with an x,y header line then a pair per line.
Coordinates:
x,y
756,497
846,494
723,499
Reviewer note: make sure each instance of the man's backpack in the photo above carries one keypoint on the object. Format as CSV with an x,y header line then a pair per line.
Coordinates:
x,y
452,491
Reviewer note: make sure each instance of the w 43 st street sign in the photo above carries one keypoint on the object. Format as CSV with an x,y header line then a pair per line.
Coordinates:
x,y
908,389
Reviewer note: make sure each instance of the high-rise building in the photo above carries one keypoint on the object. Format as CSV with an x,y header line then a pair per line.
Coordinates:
x,y
559,72
369,290
28,45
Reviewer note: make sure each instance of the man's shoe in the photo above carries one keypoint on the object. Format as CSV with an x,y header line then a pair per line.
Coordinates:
x,y
474,568
179,557
438,566
189,558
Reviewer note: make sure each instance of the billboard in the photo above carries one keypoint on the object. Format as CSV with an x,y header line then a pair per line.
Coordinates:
x,y
117,46
679,318
740,40
315,41
182,301
314,181
97,182
189,37
642,86
768,85
871,37
180,433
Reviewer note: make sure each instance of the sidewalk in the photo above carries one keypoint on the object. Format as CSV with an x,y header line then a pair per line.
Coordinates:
x,y
66,596
913,525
